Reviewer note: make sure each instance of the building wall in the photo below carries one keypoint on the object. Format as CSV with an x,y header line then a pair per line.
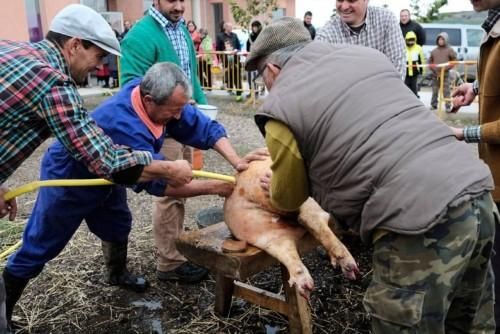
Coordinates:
x,y
14,21
15,26
49,9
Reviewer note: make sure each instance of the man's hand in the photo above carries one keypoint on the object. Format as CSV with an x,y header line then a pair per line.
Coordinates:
x,y
221,188
7,207
265,183
179,172
458,132
257,154
462,96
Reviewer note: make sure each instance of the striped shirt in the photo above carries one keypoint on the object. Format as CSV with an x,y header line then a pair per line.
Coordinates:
x,y
38,98
381,31
176,35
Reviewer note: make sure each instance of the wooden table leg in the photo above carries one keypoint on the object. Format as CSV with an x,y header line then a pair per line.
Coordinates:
x,y
299,313
224,288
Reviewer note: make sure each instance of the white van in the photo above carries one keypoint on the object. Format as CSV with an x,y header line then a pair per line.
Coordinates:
x,y
464,38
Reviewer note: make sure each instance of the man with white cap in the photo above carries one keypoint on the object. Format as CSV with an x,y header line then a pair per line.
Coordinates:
x,y
349,133
39,98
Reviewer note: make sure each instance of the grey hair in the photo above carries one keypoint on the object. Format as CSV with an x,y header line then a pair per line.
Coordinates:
x,y
161,80
282,56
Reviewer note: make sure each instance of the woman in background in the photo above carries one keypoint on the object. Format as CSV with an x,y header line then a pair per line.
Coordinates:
x,y
195,35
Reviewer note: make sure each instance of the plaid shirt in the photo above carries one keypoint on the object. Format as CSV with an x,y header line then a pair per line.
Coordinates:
x,y
176,35
472,134
38,98
493,17
381,32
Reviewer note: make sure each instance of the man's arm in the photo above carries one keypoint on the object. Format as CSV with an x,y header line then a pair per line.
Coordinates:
x,y
287,165
70,123
7,207
420,34
394,44
201,187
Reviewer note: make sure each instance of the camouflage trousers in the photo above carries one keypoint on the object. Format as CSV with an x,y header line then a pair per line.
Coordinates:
x,y
440,281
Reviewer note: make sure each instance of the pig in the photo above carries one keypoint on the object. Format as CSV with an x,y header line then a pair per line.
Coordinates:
x,y
250,217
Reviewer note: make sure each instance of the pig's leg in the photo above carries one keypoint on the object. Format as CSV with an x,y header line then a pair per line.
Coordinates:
x,y
284,249
315,220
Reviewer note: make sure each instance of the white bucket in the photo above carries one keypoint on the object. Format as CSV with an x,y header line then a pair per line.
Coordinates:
x,y
209,110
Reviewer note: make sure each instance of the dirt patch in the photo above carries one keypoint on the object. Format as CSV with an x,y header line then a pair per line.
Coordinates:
x,y
70,296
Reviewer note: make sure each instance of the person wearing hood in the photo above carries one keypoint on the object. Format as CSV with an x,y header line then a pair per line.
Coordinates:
x,y
414,57
251,75
442,54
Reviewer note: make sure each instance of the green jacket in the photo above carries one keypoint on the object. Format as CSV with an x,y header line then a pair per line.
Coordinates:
x,y
147,44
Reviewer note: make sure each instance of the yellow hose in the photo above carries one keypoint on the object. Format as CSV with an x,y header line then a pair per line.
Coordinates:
x,y
32,186
215,176
9,250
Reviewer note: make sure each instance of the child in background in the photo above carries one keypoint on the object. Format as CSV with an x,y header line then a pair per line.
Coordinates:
x,y
414,57
440,55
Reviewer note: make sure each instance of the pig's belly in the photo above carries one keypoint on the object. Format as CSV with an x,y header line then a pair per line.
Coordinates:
x,y
250,216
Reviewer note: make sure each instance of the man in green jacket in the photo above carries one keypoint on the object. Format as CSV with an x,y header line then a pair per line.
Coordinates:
x,y
158,37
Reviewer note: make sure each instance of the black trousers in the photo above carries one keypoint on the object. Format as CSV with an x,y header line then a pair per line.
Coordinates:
x,y
3,315
495,262
205,73
411,82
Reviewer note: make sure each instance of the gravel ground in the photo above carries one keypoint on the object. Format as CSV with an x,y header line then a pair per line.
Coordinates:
x,y
70,297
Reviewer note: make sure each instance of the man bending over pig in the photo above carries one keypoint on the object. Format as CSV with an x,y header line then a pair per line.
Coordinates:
x,y
138,117
342,127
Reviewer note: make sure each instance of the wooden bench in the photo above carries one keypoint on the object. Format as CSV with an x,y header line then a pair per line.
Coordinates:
x,y
204,247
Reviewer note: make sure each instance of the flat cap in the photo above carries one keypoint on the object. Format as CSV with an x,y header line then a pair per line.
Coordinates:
x,y
85,23
286,31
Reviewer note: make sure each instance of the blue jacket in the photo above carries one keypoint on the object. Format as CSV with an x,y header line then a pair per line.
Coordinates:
x,y
117,118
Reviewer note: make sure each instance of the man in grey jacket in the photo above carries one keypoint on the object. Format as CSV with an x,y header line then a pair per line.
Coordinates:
x,y
369,152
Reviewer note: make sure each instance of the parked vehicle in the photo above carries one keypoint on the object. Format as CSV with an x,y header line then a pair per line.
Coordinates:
x,y
464,38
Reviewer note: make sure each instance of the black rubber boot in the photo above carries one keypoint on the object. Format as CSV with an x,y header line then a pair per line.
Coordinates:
x,y
14,287
115,259
3,316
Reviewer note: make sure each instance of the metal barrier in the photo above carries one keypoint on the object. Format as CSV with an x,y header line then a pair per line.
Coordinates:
x,y
224,70
442,81
447,70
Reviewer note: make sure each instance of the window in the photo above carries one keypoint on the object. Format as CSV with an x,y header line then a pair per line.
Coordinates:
x,y
474,37
454,36
97,5
34,22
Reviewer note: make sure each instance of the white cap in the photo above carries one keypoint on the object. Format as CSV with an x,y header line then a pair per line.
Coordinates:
x,y
85,23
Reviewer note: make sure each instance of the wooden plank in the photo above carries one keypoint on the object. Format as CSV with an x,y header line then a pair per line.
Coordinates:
x,y
299,312
224,287
261,297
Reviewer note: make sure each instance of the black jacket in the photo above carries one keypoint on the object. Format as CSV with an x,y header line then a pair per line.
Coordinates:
x,y
416,28
311,29
253,36
232,38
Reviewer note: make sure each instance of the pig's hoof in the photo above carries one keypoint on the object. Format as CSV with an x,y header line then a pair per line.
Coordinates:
x,y
346,262
303,282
